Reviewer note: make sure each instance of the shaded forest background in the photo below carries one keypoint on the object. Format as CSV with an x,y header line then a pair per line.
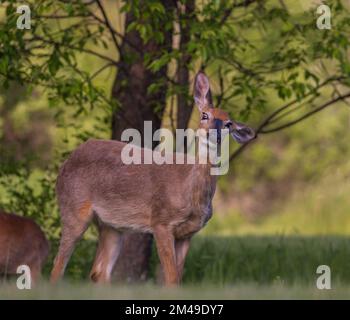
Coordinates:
x,y
92,68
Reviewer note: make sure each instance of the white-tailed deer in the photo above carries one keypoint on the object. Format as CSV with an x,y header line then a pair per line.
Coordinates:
x,y
171,201
21,243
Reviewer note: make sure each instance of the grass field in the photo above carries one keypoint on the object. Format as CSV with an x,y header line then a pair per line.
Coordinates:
x,y
149,292
250,267
263,260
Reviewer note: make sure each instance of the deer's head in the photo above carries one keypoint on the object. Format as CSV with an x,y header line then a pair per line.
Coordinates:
x,y
215,118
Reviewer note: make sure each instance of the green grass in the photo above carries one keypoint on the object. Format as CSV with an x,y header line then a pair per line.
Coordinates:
x,y
249,267
218,268
149,292
253,260
266,260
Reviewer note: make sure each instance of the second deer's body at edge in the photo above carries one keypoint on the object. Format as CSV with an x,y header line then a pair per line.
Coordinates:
x,y
171,201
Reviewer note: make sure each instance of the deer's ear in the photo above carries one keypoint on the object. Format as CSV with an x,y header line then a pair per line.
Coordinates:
x,y
242,133
201,92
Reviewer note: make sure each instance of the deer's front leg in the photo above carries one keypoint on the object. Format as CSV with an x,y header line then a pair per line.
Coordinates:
x,y
181,249
166,251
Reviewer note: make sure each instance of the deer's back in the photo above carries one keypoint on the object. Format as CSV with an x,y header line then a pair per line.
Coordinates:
x,y
140,195
21,242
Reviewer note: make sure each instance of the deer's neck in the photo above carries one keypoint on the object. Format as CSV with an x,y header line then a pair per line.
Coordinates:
x,y
206,152
203,189
204,183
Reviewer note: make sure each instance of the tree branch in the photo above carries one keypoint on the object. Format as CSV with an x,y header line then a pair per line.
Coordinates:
x,y
227,13
107,23
221,85
52,42
96,73
118,34
267,121
308,114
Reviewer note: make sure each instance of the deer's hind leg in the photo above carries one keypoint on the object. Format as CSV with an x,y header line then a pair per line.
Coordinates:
x,y
109,245
74,224
181,248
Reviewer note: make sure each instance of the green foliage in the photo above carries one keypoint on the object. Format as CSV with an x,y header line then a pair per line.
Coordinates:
x,y
260,55
320,207
303,154
260,48
46,55
31,194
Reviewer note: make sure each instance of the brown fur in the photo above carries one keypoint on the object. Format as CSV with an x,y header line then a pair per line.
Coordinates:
x,y
171,201
85,210
21,243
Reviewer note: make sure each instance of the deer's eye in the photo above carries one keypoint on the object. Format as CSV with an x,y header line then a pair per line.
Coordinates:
x,y
205,116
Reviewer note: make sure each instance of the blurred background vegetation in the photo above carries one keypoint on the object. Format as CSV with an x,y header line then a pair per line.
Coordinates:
x,y
67,78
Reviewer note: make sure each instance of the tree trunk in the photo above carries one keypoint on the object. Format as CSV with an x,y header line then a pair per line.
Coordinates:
x,y
184,107
135,105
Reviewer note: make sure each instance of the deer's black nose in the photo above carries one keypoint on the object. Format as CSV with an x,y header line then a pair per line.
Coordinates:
x,y
228,124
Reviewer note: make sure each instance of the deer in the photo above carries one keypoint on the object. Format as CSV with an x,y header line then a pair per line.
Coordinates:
x,y
172,201
22,242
